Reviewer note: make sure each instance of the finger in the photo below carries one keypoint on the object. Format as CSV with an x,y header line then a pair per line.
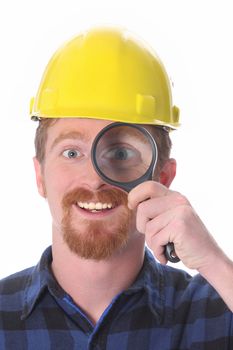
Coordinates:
x,y
154,207
158,248
158,242
145,190
156,225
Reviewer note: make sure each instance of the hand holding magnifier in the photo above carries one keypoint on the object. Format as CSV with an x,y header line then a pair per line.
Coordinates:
x,y
125,155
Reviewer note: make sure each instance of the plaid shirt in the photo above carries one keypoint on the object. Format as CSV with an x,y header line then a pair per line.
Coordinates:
x,y
164,309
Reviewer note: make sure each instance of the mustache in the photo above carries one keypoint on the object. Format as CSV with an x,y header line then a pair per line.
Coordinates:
x,y
112,195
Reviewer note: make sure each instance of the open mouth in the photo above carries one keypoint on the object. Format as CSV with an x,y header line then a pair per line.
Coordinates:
x,y
95,207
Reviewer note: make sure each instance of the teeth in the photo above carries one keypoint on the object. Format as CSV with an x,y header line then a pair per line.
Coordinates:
x,y
94,206
98,206
91,206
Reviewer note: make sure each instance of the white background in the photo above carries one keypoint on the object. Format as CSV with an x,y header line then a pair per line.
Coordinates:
x,y
194,40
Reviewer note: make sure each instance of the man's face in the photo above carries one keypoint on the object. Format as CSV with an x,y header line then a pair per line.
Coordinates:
x,y
91,215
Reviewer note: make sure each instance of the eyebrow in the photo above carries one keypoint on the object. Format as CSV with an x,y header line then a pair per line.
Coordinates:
x,y
75,135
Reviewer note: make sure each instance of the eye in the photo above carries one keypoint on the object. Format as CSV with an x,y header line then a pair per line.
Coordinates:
x,y
120,153
71,153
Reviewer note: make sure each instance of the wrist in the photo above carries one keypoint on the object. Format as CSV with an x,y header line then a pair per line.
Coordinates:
x,y
219,273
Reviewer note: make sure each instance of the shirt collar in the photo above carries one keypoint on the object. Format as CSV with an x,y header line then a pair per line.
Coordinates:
x,y
38,281
150,279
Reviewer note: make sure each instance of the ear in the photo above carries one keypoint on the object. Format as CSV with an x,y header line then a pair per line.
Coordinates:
x,y
168,172
39,177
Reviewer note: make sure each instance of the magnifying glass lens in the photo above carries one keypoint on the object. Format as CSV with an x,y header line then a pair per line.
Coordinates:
x,y
123,153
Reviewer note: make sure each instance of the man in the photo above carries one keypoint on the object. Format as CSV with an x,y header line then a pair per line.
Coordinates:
x,y
98,287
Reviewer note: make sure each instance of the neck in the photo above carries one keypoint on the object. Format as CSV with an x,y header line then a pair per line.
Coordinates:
x,y
92,284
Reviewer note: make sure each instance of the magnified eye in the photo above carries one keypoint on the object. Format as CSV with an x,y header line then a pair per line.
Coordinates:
x,y
120,158
71,153
121,153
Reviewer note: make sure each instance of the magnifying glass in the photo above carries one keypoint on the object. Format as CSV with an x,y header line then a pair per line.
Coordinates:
x,y
125,155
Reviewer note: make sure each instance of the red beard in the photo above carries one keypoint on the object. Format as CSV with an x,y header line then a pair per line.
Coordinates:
x,y
97,240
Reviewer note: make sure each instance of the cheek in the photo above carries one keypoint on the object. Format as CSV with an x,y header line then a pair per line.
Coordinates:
x,y
57,182
57,178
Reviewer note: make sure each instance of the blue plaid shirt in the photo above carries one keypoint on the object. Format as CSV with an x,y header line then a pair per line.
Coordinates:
x,y
164,309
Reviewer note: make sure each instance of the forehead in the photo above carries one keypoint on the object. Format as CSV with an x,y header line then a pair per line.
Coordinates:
x,y
87,129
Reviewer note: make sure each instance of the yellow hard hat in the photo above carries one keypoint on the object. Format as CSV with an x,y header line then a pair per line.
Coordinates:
x,y
105,73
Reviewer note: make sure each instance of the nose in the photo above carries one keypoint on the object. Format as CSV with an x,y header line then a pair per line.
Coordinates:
x,y
90,179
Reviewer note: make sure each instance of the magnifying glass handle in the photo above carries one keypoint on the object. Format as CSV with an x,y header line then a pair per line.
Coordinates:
x,y
170,253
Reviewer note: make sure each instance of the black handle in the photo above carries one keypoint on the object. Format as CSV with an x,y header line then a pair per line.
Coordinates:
x,y
170,253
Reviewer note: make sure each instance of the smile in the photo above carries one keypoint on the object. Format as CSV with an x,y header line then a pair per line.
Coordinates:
x,y
94,207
